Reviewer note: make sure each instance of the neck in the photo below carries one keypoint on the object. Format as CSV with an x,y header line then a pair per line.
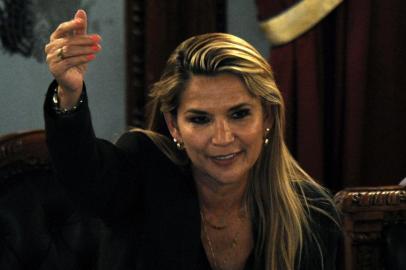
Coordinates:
x,y
219,198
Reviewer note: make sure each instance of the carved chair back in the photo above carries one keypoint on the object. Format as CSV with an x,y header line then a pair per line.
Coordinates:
x,y
22,152
40,228
374,227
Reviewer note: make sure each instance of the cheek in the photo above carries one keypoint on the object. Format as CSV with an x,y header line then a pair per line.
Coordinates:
x,y
196,153
193,146
254,140
192,142
257,144
255,131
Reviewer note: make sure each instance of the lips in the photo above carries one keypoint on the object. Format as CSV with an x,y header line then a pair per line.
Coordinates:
x,y
225,159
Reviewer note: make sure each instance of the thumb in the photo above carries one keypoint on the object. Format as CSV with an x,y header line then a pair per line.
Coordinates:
x,y
81,14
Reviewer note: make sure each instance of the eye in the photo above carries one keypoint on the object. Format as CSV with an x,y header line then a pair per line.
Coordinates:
x,y
199,119
240,114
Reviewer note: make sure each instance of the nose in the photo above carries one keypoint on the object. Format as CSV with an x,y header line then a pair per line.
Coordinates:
x,y
223,134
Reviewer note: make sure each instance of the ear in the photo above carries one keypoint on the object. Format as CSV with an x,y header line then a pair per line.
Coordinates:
x,y
171,123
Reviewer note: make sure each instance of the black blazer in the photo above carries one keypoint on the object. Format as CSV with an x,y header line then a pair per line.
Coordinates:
x,y
144,197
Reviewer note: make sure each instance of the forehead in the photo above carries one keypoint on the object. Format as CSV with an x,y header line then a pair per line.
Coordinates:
x,y
215,92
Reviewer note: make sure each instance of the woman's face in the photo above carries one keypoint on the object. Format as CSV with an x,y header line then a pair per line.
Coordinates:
x,y
222,127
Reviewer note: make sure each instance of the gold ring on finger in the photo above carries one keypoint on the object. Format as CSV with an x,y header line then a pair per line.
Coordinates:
x,y
60,54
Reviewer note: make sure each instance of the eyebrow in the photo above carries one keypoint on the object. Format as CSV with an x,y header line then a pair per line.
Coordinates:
x,y
236,107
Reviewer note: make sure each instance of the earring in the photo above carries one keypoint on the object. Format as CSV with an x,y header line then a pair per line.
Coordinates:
x,y
266,141
179,144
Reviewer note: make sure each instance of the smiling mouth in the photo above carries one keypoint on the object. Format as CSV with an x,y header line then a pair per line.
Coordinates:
x,y
225,157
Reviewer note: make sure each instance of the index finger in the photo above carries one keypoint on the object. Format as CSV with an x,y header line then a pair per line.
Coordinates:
x,y
67,28
81,14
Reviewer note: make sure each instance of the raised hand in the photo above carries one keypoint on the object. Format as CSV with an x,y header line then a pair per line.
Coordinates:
x,y
68,53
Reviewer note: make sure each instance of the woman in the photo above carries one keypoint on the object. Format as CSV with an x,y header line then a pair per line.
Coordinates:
x,y
224,194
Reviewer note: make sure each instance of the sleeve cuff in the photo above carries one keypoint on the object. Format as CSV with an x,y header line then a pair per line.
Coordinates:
x,y
51,103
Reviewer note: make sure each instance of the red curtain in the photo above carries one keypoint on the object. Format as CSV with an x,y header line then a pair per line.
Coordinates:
x,y
345,91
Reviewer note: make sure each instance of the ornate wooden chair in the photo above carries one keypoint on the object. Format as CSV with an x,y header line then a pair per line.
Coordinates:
x,y
39,226
374,227
22,151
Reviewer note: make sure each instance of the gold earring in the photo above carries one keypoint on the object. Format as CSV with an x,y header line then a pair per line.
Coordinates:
x,y
266,141
179,144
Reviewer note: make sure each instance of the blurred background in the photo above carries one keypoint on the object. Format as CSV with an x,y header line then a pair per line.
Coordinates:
x,y
24,75
339,65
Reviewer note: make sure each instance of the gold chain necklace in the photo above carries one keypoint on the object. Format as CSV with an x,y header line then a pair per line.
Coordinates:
x,y
241,215
209,242
214,226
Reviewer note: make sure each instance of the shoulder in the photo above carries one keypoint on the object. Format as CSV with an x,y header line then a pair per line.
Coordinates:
x,y
149,146
138,147
314,194
133,140
319,205
323,234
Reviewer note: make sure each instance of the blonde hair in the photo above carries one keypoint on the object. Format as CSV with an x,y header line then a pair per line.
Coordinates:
x,y
275,195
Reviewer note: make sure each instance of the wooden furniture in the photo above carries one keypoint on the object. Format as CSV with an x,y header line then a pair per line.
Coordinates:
x,y
25,151
40,227
374,227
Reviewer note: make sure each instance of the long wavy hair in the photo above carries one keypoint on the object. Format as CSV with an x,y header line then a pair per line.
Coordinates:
x,y
275,195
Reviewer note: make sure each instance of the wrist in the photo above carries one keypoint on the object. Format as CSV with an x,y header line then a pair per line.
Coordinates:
x,y
67,98
66,103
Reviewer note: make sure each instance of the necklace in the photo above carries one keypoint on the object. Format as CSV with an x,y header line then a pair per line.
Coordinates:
x,y
241,215
214,226
234,241
209,241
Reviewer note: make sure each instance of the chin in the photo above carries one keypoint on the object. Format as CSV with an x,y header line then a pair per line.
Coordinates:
x,y
223,174
228,178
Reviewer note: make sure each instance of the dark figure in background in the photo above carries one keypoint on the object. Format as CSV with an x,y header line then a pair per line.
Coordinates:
x,y
223,193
